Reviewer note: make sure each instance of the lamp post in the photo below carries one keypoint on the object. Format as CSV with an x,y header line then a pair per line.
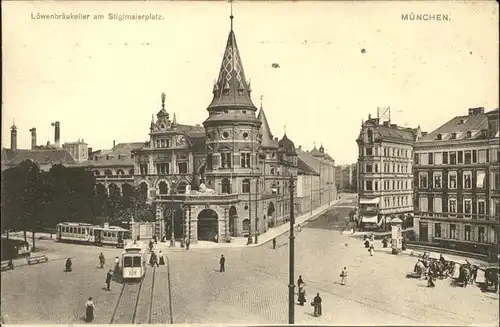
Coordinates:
x,y
183,238
291,285
256,214
172,212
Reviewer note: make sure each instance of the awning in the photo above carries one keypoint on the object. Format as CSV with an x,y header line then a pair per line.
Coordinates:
x,y
369,219
369,201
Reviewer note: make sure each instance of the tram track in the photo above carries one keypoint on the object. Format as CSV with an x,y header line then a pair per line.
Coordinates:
x,y
125,310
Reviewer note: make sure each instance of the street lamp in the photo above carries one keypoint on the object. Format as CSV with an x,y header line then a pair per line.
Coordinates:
x,y
291,285
172,212
183,238
249,241
256,214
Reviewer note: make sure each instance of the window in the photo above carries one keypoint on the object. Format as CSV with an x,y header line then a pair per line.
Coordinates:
x,y
438,205
368,168
431,158
460,157
369,186
468,157
375,186
468,134
453,158
370,136
437,179
210,162
183,167
482,156
437,230
467,207
439,137
495,182
453,231
245,160
467,179
452,205
246,186
481,207
137,261
226,159
424,159
467,233
127,262
226,186
375,166
144,169
369,151
423,180
480,179
474,156
423,204
445,158
482,235
417,156
163,187
453,136
163,168
452,180
438,158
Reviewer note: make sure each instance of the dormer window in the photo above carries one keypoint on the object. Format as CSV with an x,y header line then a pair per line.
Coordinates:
x,y
453,136
226,111
439,137
468,135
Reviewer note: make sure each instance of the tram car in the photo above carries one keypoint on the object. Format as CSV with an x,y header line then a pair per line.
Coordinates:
x,y
90,234
134,261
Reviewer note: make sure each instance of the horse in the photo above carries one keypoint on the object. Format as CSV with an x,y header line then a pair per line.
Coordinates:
x,y
491,278
465,274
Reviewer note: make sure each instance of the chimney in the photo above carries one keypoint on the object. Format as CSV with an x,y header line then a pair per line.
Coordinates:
x,y
114,144
57,134
13,137
476,111
33,138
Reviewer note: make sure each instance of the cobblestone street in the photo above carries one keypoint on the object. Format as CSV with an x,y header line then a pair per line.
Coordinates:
x,y
254,287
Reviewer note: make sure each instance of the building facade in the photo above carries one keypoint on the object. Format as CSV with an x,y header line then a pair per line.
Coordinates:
x,y
385,176
457,184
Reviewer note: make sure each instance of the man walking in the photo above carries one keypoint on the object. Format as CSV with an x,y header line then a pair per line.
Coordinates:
x,y
222,262
317,305
343,275
109,276
274,243
101,259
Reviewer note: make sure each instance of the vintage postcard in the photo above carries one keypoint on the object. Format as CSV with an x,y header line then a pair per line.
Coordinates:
x,y
250,162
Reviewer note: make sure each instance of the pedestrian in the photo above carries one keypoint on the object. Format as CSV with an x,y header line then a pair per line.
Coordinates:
x,y
430,281
403,244
302,294
151,245
162,261
101,259
109,276
153,260
371,250
317,305
155,239
187,244
89,310
343,275
274,243
385,241
222,262
68,265
299,229
117,264
300,280
372,237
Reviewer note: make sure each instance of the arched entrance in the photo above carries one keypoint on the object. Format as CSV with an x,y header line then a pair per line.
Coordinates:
x,y
208,226
233,219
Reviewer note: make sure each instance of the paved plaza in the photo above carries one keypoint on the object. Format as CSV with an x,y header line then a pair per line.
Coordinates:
x,y
254,288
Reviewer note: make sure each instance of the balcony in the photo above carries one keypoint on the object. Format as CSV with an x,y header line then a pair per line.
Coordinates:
x,y
198,198
479,218
102,178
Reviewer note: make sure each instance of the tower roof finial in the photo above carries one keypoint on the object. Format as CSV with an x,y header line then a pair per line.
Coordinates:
x,y
261,100
231,17
163,97
285,129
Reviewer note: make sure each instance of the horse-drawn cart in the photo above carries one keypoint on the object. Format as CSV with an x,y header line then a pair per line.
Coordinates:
x,y
491,276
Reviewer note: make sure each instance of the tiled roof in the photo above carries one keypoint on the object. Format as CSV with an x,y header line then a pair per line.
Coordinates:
x,y
401,133
42,157
267,137
308,160
231,88
304,168
460,125
315,152
286,144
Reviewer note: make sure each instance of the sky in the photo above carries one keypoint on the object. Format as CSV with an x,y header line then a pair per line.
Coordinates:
x,y
103,79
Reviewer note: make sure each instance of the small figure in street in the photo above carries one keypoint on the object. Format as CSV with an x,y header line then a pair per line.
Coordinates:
x,y
117,265
430,281
101,260
343,275
155,239
300,280
302,294
222,262
187,244
68,265
371,250
153,260
317,305
11,265
372,237
367,243
89,310
138,238
274,243
299,229
109,276
161,260
441,258
403,244
151,245
385,241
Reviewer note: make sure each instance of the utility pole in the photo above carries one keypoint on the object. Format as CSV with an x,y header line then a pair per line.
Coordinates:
x,y
291,285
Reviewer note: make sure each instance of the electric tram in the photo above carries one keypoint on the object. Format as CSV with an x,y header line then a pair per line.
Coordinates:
x,y
90,234
134,261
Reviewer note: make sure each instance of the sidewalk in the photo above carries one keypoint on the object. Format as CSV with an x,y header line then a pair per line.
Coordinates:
x,y
240,242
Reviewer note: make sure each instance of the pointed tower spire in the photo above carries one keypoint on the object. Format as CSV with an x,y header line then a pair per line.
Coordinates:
x,y
267,141
285,129
174,120
231,90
